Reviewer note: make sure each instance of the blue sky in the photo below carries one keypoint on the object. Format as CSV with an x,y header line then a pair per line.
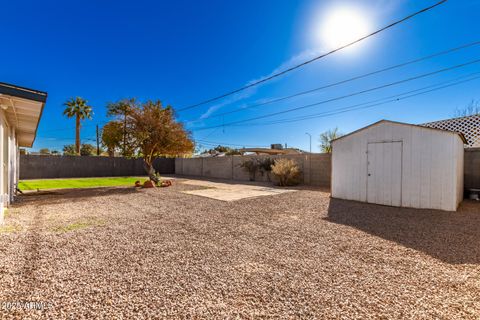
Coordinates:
x,y
183,52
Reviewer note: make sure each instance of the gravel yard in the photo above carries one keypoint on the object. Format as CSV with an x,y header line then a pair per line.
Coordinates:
x,y
118,253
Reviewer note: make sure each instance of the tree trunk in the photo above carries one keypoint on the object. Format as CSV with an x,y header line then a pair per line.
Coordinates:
x,y
77,135
124,134
150,171
111,152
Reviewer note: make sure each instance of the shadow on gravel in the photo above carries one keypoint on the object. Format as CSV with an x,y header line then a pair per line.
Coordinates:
x,y
73,195
452,237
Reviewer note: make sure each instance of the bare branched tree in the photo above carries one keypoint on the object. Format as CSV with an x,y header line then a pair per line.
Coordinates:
x,y
473,108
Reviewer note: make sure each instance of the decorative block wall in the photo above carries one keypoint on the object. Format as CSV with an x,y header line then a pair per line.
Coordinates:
x,y
468,126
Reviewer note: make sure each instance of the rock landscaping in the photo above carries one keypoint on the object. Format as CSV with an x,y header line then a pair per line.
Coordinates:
x,y
123,253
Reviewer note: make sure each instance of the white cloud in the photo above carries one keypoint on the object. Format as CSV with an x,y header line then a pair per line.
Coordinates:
x,y
247,93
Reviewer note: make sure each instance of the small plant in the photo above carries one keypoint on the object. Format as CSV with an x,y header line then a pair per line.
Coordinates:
x,y
79,225
265,166
9,229
326,140
286,171
251,166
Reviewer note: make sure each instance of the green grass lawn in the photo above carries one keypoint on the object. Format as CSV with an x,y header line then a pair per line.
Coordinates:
x,y
78,183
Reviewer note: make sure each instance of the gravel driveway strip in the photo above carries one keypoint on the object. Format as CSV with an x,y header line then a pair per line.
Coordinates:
x,y
121,253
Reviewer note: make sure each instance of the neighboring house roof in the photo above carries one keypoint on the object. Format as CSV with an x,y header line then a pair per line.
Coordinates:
x,y
23,109
210,155
271,151
402,123
469,126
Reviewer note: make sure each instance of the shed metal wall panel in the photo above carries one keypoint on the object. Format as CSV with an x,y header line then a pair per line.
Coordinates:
x,y
431,165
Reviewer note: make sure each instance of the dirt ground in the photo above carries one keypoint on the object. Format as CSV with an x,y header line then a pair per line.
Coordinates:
x,y
121,253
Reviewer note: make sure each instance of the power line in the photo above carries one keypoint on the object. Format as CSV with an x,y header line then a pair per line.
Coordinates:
x,y
364,103
65,139
278,74
377,102
274,100
345,96
343,81
389,101
70,128
373,103
212,132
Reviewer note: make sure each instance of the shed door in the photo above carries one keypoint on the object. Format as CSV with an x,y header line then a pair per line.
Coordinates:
x,y
384,170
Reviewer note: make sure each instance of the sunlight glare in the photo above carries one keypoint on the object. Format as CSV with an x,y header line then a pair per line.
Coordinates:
x,y
341,26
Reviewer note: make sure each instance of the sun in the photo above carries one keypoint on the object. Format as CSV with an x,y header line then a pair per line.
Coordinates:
x,y
342,25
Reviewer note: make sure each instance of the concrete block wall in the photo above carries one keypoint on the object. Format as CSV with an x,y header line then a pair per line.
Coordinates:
x,y
315,168
238,173
322,174
220,168
472,168
47,166
190,167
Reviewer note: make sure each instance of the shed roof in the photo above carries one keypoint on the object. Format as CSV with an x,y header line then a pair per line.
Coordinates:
x,y
405,124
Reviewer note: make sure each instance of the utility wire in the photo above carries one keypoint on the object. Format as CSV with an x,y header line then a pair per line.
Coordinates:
x,y
373,103
65,139
342,81
392,100
376,102
208,135
365,103
274,100
345,96
278,74
83,126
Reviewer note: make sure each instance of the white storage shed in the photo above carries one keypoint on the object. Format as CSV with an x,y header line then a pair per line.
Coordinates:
x,y
399,164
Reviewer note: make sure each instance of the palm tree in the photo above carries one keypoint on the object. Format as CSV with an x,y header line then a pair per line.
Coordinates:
x,y
78,108
326,140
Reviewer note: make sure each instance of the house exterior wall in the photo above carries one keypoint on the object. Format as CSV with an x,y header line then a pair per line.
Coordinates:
x,y
2,176
9,162
432,165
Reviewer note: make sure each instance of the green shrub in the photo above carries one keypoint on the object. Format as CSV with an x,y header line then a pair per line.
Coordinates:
x,y
286,171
